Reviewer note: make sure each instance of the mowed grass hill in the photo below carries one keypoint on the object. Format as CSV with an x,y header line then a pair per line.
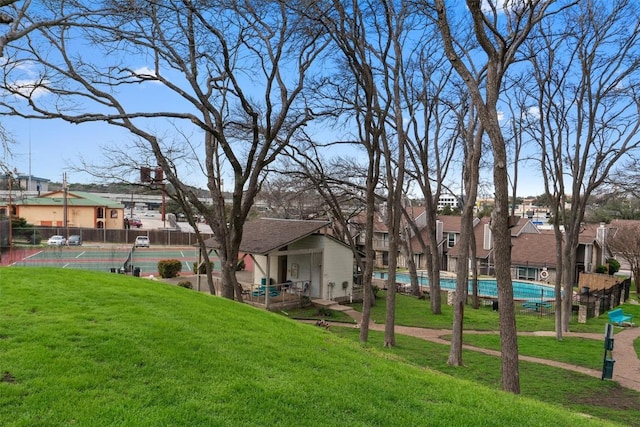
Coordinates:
x,y
97,349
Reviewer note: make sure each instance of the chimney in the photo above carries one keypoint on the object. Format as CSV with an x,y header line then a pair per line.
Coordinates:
x,y
488,238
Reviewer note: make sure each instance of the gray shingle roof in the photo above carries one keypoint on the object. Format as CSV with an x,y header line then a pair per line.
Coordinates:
x,y
264,235
534,250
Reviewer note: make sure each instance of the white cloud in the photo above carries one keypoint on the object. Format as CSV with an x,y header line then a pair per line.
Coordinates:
x,y
29,88
145,73
534,112
500,5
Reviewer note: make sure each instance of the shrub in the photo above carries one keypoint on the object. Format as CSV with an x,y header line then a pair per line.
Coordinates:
x,y
35,238
375,289
203,267
324,312
185,284
602,269
614,266
168,268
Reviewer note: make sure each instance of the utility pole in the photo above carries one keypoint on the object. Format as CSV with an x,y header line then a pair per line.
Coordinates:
x,y
65,191
10,176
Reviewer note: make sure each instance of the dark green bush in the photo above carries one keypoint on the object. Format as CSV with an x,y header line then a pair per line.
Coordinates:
x,y
602,269
614,266
324,312
185,284
35,238
169,268
203,267
375,289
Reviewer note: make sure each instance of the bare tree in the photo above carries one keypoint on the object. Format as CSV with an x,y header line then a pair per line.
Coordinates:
x,y
471,137
396,25
285,196
14,17
411,228
624,241
499,33
340,184
355,31
585,104
233,71
430,139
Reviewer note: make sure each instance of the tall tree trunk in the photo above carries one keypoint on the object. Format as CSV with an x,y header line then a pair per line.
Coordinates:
x,y
462,286
367,289
569,278
558,281
502,254
414,286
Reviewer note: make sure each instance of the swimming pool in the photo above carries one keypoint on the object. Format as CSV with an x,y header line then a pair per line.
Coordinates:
x,y
486,287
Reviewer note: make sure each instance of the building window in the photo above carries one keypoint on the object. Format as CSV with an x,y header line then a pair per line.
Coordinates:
x,y
114,213
527,273
100,212
100,224
451,240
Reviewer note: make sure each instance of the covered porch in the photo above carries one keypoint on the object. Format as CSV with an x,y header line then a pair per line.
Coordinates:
x,y
293,263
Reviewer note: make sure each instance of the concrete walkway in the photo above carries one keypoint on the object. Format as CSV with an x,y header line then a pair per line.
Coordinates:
x,y
626,370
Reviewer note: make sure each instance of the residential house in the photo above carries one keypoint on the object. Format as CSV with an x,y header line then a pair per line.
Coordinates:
x,y
447,234
603,233
380,237
533,255
483,245
381,234
533,251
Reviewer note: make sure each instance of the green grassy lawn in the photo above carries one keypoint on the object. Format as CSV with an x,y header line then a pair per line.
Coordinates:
x,y
573,350
577,351
98,349
411,311
579,392
571,390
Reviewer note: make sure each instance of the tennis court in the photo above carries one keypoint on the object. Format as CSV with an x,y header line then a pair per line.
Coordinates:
x,y
110,258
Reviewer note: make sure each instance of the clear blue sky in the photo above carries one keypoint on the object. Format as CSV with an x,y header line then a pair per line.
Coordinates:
x,y
48,148
55,146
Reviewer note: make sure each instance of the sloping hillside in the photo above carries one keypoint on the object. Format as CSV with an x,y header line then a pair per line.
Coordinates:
x,y
94,349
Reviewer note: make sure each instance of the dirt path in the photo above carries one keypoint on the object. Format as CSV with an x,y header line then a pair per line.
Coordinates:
x,y
626,369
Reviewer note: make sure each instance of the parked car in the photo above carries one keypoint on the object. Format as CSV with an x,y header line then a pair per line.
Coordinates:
x,y
75,240
142,242
56,241
134,222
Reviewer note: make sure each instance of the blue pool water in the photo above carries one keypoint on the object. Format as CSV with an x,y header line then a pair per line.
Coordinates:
x,y
486,287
